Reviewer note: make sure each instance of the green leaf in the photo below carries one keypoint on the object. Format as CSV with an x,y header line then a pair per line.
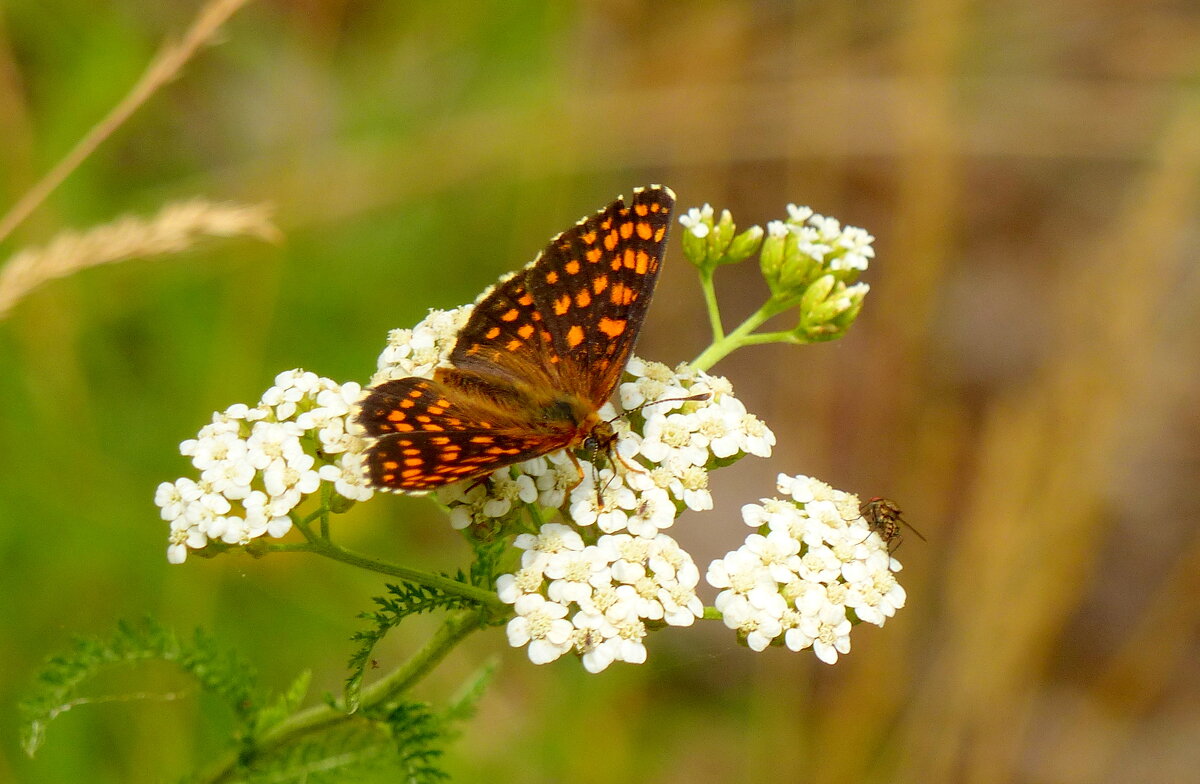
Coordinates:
x,y
404,599
57,687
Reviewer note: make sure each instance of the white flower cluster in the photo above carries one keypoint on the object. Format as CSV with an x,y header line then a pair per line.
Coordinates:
x,y
825,240
424,348
597,599
812,569
664,453
258,464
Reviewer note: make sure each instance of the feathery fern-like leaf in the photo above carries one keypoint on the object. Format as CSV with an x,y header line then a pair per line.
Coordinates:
x,y
57,686
403,600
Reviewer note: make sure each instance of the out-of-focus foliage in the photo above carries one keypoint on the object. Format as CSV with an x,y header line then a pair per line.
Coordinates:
x,y
1023,380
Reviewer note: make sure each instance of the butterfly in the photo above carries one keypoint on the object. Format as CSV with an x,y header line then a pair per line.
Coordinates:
x,y
541,352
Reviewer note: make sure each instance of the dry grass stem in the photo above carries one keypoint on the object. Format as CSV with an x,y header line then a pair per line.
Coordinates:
x,y
162,69
175,228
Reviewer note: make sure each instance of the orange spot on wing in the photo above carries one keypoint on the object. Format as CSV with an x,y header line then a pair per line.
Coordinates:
x,y
629,259
492,333
552,277
562,304
572,267
396,416
645,230
659,232
510,315
583,299
589,238
594,255
404,427
610,240
574,336
513,345
525,331
641,209
643,262
482,439
407,403
412,461
525,300
410,473
435,410
627,230
612,327
599,284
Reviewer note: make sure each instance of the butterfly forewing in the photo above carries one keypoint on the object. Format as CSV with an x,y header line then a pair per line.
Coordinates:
x,y
541,351
594,282
506,337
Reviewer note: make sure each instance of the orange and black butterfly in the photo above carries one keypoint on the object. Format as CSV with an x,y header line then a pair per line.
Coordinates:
x,y
542,351
884,517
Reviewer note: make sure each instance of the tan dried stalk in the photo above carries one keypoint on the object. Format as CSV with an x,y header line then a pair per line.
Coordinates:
x,y
175,228
163,68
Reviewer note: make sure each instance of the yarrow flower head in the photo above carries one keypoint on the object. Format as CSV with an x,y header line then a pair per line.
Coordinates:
x,y
258,464
813,568
597,600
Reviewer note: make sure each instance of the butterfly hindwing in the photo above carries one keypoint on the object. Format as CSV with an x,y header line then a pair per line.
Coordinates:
x,y
425,437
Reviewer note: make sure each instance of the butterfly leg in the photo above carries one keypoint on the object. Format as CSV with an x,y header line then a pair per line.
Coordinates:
x,y
579,468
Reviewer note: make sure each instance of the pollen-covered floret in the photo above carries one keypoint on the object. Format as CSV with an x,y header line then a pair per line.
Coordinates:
x,y
259,463
813,567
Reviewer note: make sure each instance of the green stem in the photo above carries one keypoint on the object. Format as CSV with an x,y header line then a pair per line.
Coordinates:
x,y
712,614
710,301
319,717
725,345
324,547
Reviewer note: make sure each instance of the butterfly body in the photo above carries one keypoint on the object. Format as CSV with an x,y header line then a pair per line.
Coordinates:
x,y
541,352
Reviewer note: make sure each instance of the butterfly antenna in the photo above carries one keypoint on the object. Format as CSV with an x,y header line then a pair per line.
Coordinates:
x,y
690,399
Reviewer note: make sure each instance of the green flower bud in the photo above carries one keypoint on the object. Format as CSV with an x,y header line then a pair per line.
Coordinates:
x,y
814,297
744,245
770,257
698,226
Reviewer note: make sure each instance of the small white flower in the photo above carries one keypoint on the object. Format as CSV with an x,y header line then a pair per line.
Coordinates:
x,y
669,438
574,574
542,625
698,220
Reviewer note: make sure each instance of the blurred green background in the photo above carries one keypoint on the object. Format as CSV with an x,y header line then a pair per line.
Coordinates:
x,y
1023,380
